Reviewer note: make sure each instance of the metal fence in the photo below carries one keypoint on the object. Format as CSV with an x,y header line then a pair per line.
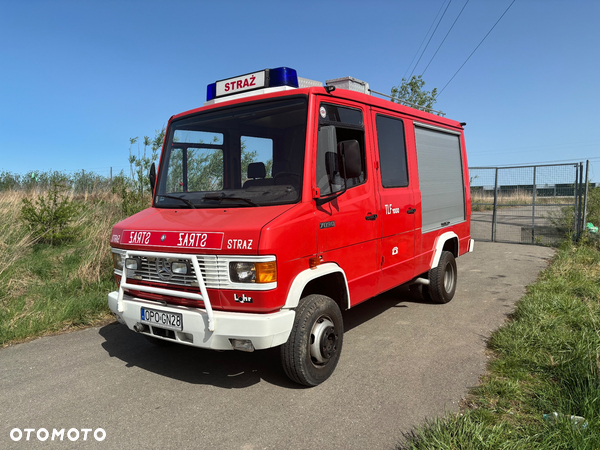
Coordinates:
x,y
528,204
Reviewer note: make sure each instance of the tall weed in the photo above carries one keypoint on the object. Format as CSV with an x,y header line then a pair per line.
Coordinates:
x,y
15,243
97,220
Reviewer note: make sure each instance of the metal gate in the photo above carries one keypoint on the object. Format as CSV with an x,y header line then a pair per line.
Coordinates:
x,y
528,204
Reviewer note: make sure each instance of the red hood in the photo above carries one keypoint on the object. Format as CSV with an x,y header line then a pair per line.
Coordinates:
x,y
235,231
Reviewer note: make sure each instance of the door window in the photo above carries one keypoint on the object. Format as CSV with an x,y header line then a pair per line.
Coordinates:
x,y
392,151
338,124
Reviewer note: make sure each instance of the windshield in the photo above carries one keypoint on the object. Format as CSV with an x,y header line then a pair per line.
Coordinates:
x,y
242,156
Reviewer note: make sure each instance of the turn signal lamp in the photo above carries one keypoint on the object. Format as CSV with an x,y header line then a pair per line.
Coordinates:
x,y
314,262
266,272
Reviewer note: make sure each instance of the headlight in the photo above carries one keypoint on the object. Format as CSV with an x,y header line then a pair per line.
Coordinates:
x,y
180,267
118,259
133,263
253,272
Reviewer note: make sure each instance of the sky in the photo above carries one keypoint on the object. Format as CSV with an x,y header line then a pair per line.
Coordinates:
x,y
79,78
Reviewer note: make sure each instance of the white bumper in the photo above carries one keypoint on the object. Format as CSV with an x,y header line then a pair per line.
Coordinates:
x,y
264,330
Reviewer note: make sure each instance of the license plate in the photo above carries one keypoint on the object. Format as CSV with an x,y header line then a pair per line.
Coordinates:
x,y
162,319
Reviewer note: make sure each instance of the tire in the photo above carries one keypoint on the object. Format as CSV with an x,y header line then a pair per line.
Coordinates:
x,y
442,279
313,349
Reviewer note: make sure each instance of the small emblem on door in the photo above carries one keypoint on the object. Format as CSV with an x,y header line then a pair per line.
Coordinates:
x,y
327,224
394,251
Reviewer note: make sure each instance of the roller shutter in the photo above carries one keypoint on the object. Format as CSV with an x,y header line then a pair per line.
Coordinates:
x,y
440,177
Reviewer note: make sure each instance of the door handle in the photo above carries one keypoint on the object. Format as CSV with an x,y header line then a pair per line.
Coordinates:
x,y
371,217
411,211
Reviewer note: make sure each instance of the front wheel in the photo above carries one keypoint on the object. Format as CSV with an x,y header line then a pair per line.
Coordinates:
x,y
313,349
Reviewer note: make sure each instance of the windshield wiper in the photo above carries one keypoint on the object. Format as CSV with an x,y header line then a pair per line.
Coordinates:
x,y
221,196
184,200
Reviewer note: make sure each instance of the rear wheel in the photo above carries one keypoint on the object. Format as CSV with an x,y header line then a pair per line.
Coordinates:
x,y
442,279
313,349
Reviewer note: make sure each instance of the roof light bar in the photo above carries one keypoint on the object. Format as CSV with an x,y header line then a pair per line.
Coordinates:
x,y
281,76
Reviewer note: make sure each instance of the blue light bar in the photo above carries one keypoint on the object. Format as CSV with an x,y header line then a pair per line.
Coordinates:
x,y
211,91
281,76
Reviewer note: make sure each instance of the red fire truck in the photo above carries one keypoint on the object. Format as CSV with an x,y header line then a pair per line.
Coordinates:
x,y
281,203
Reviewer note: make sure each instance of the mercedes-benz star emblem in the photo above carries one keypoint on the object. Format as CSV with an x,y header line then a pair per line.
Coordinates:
x,y
163,269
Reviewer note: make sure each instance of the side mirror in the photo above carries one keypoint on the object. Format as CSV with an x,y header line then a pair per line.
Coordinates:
x,y
152,176
349,152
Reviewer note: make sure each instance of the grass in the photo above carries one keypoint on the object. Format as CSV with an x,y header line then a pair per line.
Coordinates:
x,y
485,202
46,288
546,359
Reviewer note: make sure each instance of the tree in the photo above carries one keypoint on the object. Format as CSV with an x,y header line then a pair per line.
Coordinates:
x,y
131,157
412,93
139,176
49,217
135,190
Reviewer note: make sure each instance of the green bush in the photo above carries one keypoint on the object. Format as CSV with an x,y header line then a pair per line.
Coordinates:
x,y
49,217
593,206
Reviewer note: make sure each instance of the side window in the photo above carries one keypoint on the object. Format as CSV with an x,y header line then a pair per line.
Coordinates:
x,y
339,127
392,151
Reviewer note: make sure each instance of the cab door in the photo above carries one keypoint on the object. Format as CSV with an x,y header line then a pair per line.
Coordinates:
x,y
395,185
349,224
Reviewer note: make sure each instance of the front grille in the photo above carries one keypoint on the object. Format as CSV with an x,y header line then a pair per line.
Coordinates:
x,y
214,272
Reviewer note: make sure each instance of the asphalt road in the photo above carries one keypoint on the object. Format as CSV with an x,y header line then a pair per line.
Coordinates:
x,y
402,362
513,224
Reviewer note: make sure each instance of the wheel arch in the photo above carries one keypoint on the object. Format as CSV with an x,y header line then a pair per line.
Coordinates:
x,y
327,279
447,241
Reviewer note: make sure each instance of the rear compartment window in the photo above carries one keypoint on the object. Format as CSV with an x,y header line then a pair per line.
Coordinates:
x,y
392,151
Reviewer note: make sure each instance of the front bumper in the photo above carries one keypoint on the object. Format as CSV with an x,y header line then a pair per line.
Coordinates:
x,y
264,330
